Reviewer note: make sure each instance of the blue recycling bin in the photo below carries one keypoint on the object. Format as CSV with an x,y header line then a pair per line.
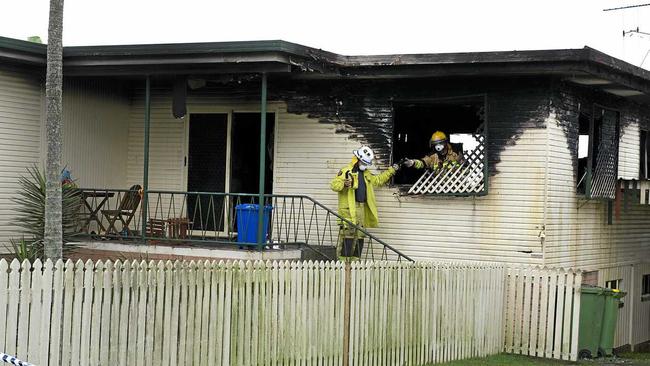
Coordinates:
x,y
247,219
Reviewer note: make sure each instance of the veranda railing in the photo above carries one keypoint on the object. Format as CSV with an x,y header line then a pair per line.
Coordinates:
x,y
207,218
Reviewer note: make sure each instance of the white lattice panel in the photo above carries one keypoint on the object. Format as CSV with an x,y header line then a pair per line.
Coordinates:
x,y
605,175
467,178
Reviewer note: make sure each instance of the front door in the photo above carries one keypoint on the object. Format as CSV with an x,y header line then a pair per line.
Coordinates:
x,y
206,169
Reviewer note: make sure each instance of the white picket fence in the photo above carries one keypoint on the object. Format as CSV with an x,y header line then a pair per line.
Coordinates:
x,y
425,312
216,313
542,313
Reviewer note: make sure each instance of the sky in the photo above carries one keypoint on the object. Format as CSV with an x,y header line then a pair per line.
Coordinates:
x,y
348,27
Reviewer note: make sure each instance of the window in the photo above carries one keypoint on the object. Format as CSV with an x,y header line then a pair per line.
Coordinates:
x,y
584,126
463,120
616,285
590,278
598,133
645,288
644,169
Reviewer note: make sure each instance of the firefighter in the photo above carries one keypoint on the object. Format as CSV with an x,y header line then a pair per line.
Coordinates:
x,y
355,187
442,155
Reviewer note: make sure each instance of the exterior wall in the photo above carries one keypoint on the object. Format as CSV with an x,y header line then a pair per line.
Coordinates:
x,y
577,233
641,309
166,143
624,323
168,136
633,325
96,128
502,226
21,111
628,152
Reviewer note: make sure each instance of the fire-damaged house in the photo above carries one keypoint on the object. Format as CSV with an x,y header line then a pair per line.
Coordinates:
x,y
167,142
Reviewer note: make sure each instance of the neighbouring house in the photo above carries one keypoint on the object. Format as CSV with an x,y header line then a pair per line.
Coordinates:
x,y
556,145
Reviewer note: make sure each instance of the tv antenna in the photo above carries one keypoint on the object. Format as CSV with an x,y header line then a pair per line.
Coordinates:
x,y
631,31
627,7
635,31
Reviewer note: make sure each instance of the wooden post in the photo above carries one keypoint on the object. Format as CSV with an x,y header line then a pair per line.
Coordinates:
x,y
346,314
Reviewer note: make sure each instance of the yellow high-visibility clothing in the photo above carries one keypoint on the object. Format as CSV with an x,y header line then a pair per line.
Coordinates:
x,y
347,202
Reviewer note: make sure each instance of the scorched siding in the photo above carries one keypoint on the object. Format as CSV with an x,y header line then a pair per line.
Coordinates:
x,y
502,226
577,233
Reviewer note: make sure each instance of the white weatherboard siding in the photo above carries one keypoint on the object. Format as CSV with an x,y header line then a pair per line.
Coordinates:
x,y
633,325
623,324
168,136
166,142
577,234
308,155
641,309
96,128
494,228
628,152
21,110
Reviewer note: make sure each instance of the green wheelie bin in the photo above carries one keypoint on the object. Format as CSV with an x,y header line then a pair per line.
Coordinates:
x,y
610,317
592,307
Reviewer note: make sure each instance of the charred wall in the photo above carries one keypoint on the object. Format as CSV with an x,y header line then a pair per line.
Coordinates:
x,y
568,99
364,109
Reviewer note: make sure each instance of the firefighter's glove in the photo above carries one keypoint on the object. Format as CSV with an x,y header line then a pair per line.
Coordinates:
x,y
396,167
347,183
408,163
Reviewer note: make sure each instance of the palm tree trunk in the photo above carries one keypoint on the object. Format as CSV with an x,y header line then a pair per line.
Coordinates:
x,y
53,246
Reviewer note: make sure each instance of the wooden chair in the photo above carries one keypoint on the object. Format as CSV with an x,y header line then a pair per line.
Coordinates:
x,y
126,210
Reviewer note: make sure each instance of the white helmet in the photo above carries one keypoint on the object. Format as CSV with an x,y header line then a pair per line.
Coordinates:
x,y
365,155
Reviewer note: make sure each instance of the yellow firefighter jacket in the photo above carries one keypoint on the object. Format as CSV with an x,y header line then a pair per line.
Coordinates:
x,y
347,202
434,162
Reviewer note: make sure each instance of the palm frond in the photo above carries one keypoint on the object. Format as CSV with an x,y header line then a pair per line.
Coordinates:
x,y
30,213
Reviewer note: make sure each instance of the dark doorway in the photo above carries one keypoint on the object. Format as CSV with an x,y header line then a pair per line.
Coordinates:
x,y
206,169
245,153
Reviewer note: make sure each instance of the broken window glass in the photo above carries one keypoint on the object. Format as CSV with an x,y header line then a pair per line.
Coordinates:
x,y
464,169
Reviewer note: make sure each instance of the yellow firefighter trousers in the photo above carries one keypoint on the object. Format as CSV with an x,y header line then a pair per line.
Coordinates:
x,y
350,243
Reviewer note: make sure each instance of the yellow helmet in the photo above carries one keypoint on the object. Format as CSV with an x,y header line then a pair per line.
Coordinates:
x,y
438,137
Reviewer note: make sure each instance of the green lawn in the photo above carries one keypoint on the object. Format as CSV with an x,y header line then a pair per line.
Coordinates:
x,y
632,359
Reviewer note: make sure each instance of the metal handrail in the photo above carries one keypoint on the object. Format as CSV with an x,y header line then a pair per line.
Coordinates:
x,y
297,223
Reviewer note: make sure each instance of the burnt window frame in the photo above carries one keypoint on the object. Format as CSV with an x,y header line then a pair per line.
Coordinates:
x,y
592,150
480,98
